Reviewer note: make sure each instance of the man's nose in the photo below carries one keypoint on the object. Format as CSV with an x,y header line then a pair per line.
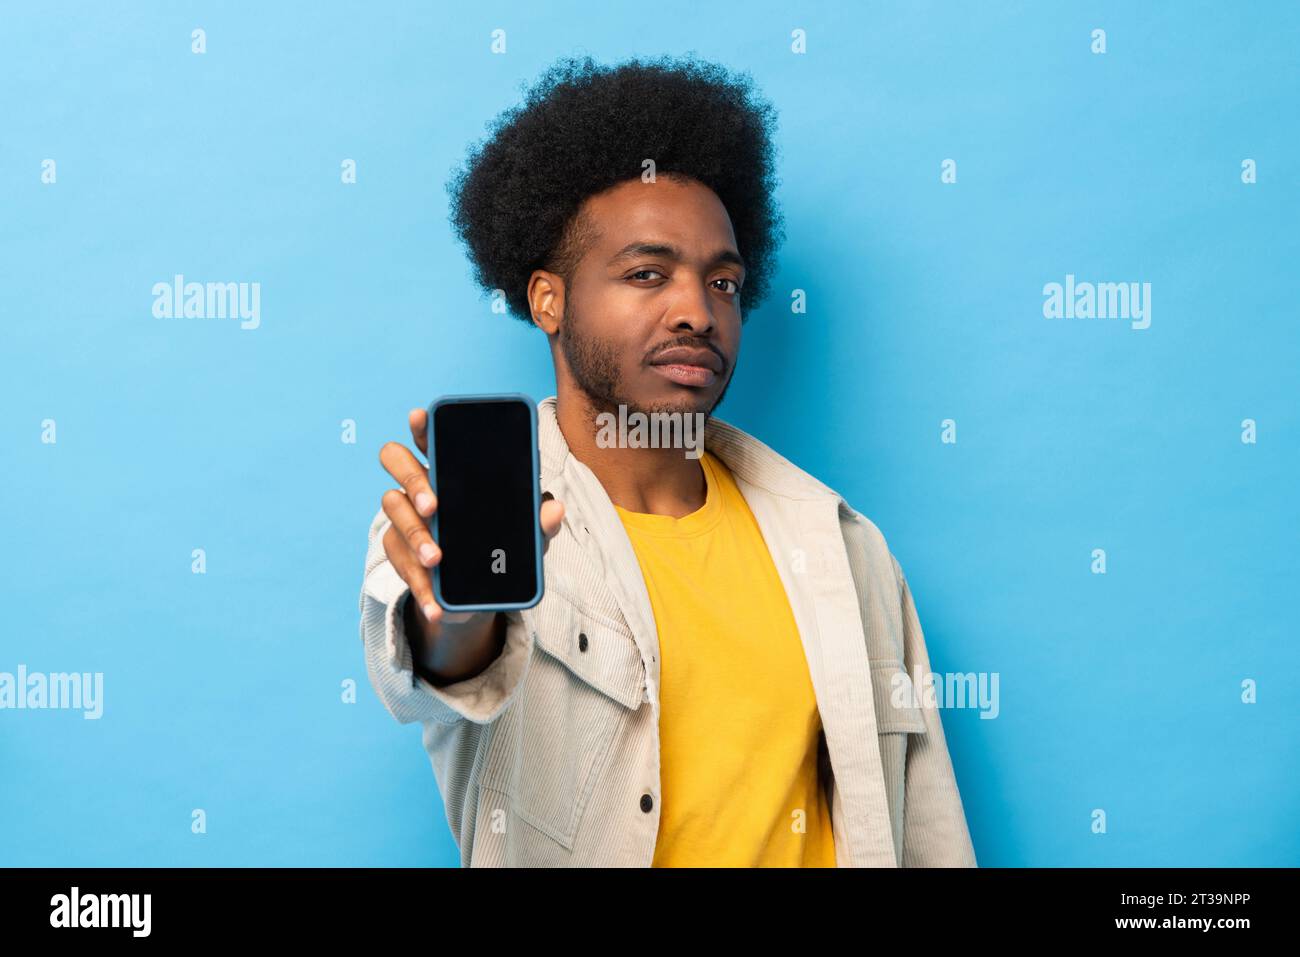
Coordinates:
x,y
693,311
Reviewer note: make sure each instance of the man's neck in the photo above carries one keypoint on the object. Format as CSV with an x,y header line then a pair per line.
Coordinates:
x,y
657,481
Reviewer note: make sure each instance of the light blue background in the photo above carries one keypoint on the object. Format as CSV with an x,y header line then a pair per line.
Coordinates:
x,y
222,691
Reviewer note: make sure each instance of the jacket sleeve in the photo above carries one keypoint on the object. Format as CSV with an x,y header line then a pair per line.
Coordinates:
x,y
407,696
934,822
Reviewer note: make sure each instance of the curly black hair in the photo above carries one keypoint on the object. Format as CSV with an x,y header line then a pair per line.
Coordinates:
x,y
583,128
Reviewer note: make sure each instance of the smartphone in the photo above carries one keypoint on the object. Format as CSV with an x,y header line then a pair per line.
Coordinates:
x,y
483,466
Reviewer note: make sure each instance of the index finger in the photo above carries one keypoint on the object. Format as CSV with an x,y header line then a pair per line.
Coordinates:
x,y
402,465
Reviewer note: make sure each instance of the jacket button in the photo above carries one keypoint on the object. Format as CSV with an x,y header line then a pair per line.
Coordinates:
x,y
582,642
647,803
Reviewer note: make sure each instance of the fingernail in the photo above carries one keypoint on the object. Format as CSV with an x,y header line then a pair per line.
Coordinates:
x,y
424,502
427,553
428,611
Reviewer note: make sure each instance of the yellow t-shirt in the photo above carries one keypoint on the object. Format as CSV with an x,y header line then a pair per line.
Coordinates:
x,y
738,721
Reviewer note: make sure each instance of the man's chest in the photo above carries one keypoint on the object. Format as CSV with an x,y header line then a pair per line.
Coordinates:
x,y
726,635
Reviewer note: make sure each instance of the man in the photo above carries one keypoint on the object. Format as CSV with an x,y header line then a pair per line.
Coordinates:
x,y
711,677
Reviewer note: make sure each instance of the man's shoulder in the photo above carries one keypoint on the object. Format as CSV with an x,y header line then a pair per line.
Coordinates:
x,y
752,460
862,533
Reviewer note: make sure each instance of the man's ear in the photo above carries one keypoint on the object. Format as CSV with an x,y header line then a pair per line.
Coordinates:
x,y
546,300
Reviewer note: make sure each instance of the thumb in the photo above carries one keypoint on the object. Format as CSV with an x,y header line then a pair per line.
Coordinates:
x,y
551,515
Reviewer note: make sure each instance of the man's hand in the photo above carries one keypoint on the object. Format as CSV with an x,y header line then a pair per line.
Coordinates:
x,y
451,646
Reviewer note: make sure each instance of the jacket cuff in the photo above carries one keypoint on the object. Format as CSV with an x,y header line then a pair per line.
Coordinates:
x,y
408,696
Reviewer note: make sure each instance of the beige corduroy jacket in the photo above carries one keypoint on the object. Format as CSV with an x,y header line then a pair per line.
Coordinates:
x,y
550,756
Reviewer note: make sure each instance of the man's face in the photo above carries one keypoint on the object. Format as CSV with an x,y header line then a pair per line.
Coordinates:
x,y
662,274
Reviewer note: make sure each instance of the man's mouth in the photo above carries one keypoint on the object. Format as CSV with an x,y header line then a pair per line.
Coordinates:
x,y
686,374
688,366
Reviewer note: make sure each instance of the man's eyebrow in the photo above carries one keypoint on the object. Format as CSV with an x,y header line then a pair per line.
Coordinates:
x,y
669,251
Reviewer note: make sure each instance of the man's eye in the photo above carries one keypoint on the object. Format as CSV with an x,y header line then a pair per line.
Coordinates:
x,y
733,282
642,272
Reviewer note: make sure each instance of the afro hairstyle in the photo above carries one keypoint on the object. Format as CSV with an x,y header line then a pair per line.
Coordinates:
x,y
583,128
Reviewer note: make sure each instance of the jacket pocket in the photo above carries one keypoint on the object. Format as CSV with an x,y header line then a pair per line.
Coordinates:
x,y
583,681
895,700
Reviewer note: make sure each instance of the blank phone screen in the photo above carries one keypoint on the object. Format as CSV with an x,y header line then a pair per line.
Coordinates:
x,y
486,518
